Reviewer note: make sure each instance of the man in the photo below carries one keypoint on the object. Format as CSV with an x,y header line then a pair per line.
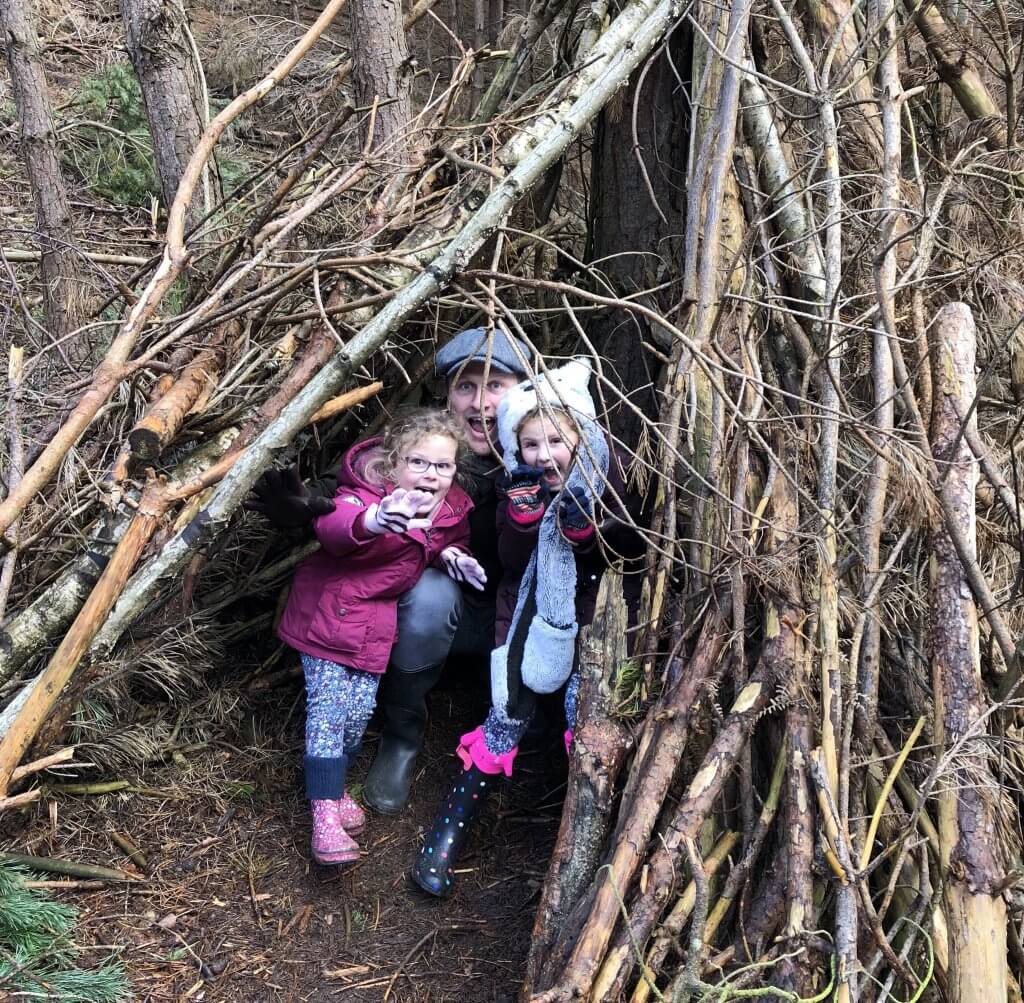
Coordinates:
x,y
437,617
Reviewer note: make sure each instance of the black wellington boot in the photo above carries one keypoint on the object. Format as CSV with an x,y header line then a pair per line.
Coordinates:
x,y
403,702
434,868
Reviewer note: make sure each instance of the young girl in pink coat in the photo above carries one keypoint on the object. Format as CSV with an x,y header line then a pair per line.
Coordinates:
x,y
397,512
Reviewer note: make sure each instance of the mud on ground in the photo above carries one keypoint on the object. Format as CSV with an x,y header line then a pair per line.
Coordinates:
x,y
234,909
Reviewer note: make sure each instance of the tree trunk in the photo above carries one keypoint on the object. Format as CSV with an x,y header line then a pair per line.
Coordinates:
x,y
627,215
480,8
62,296
971,858
161,52
381,71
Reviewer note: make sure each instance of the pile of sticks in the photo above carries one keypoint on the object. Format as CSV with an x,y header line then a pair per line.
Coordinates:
x,y
798,777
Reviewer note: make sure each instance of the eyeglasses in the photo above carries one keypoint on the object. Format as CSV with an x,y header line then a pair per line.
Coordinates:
x,y
418,465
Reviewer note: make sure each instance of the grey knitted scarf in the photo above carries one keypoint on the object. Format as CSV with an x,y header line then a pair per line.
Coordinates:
x,y
550,646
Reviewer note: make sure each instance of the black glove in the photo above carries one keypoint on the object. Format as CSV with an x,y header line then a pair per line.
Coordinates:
x,y
575,509
285,501
527,492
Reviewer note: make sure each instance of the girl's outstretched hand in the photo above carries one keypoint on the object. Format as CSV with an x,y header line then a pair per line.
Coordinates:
x,y
395,511
463,567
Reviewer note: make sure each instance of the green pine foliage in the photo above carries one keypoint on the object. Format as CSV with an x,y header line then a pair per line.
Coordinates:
x,y
37,954
110,146
627,688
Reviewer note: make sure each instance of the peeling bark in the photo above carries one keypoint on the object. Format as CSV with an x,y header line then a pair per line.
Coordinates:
x,y
971,857
37,625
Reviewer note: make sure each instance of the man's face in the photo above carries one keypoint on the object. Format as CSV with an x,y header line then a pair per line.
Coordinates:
x,y
475,403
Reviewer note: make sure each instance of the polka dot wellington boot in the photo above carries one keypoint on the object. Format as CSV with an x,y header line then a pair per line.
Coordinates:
x,y
434,868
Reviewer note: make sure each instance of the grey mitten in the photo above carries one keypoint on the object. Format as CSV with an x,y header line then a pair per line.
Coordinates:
x,y
548,655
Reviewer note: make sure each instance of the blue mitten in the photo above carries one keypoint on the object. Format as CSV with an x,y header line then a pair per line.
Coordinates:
x,y
575,508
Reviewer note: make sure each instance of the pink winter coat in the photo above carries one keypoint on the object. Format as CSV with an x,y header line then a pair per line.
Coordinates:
x,y
344,600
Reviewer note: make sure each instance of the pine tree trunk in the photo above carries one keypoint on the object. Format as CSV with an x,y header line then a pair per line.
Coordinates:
x,y
62,296
381,71
161,52
975,911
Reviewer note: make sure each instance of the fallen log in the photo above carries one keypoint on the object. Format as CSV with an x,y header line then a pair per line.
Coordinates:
x,y
55,865
20,800
49,616
161,423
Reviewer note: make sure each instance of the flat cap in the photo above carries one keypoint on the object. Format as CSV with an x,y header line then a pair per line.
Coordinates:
x,y
507,354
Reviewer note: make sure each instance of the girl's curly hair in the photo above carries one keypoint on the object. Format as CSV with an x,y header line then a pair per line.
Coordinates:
x,y
403,432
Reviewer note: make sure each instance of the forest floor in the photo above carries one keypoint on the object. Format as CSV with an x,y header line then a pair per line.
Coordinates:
x,y
234,909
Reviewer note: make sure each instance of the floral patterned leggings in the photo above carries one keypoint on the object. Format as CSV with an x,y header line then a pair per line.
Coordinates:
x,y
339,702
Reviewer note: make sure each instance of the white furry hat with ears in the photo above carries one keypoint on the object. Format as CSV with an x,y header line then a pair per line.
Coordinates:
x,y
562,389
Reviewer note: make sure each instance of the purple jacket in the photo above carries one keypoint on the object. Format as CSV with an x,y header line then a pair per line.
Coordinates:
x,y
344,600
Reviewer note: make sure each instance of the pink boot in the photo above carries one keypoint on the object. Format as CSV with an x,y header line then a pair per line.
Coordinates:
x,y
350,815
331,844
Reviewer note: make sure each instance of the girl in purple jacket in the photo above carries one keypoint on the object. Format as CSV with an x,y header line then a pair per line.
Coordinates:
x,y
397,512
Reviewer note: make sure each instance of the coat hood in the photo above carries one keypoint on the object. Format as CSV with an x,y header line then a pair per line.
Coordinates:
x,y
352,472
